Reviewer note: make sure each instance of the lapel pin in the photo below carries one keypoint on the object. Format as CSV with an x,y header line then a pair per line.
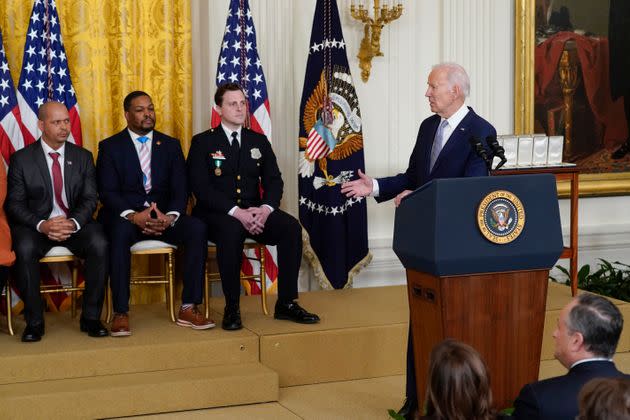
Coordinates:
x,y
159,142
68,162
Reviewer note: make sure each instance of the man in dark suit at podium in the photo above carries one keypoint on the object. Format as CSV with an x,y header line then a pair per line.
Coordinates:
x,y
227,168
586,338
142,184
442,150
50,201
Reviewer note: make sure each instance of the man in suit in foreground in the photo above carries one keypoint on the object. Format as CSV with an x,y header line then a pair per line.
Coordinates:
x,y
586,338
227,166
142,185
442,150
50,201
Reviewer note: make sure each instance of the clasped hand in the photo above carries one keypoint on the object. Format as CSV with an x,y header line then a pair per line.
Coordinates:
x,y
152,226
58,228
253,219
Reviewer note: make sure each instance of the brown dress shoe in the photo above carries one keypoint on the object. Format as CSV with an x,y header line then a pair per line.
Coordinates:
x,y
191,317
120,326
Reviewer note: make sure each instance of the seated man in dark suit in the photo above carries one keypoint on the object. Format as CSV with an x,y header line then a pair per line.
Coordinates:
x,y
50,201
586,338
142,185
226,167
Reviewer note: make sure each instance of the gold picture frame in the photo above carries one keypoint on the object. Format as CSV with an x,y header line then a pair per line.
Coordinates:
x,y
524,44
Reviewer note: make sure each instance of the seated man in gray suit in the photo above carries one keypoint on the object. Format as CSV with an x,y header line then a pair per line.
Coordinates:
x,y
586,339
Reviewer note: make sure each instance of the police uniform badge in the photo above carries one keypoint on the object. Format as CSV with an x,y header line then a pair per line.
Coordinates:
x,y
501,217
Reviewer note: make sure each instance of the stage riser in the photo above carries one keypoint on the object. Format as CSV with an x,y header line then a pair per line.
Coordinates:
x,y
163,367
140,393
337,355
156,344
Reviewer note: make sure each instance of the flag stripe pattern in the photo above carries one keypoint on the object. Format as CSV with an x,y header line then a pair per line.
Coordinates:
x,y
239,63
316,147
45,75
11,138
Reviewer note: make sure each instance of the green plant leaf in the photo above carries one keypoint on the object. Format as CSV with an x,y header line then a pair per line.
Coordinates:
x,y
394,415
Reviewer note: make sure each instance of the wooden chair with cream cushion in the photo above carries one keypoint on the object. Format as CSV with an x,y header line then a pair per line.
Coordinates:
x,y
258,278
56,254
167,251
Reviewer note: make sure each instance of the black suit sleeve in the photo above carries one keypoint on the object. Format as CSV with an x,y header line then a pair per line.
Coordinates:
x,y
109,179
17,201
526,405
271,178
208,197
84,203
177,180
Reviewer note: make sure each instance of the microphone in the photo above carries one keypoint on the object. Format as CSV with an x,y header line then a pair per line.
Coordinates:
x,y
497,150
477,146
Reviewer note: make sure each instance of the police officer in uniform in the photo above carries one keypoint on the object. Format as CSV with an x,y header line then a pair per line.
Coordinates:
x,y
228,167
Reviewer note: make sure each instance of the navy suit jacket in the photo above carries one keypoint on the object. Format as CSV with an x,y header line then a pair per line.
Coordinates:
x,y
119,176
30,193
457,158
557,398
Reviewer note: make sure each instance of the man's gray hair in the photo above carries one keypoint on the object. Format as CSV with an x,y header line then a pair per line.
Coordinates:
x,y
599,321
456,75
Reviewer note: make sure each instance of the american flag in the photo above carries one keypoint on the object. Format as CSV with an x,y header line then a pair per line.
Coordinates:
x,y
45,77
45,74
239,63
11,138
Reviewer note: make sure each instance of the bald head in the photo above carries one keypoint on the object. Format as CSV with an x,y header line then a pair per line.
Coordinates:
x,y
54,123
44,110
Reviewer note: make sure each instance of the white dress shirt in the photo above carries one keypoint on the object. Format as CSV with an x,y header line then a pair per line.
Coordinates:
x,y
56,210
137,145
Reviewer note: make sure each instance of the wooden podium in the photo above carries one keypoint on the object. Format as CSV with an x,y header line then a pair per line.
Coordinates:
x,y
463,286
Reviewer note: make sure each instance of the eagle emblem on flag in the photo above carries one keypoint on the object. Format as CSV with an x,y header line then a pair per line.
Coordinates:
x,y
334,119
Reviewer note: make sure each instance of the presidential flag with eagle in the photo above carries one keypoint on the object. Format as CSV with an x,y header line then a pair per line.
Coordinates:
x,y
330,153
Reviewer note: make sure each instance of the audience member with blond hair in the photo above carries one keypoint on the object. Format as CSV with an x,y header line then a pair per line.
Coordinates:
x,y
458,385
605,399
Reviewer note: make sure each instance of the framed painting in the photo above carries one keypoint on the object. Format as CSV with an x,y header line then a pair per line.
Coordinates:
x,y
570,67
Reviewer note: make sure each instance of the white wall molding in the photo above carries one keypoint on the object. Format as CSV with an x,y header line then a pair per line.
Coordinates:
x,y
478,34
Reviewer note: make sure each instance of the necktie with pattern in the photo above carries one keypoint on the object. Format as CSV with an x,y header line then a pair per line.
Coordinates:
x,y
145,162
438,143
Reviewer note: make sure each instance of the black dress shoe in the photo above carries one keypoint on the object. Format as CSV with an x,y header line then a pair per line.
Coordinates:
x,y
232,318
408,410
93,327
622,151
293,312
33,332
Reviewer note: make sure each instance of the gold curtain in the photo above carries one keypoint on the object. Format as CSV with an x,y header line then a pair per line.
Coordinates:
x,y
113,48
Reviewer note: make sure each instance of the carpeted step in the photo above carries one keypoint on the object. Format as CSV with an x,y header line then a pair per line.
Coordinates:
x,y
140,393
